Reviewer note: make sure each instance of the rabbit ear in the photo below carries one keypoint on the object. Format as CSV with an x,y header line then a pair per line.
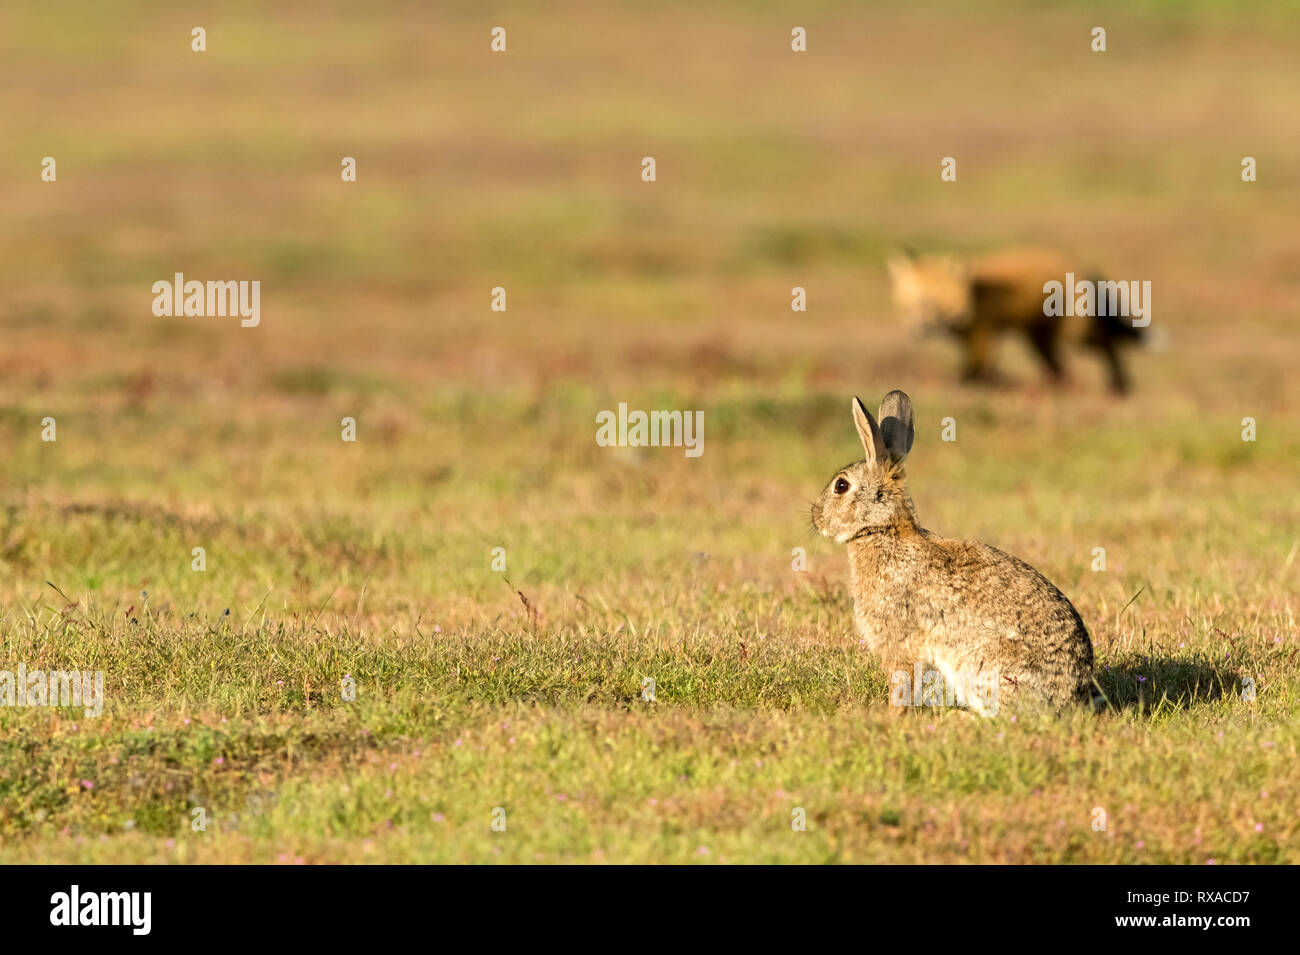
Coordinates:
x,y
896,428
873,443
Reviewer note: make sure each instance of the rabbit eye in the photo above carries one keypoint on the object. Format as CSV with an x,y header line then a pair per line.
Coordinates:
x,y
841,486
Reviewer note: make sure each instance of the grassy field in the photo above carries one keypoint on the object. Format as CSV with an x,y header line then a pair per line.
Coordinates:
x,y
479,690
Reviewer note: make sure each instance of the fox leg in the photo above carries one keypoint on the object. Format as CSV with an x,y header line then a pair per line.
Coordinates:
x,y
1045,339
1106,334
979,341
1119,380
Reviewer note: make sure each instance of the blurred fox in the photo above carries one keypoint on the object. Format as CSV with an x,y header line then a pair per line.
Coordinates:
x,y
979,300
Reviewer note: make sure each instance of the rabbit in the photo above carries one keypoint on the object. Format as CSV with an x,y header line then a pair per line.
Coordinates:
x,y
991,625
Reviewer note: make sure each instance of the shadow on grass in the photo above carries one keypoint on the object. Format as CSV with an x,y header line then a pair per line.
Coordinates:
x,y
1144,682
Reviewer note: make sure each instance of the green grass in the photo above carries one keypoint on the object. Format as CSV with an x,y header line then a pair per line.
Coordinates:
x,y
248,724
479,690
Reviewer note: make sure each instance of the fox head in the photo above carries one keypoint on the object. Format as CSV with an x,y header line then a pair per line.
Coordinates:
x,y
931,293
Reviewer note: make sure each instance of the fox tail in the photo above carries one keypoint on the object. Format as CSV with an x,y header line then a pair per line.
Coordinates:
x,y
1108,326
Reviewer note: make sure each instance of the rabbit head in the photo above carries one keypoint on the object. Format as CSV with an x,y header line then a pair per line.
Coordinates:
x,y
869,496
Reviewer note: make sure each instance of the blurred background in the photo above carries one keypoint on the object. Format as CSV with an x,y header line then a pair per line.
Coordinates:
x,y
522,170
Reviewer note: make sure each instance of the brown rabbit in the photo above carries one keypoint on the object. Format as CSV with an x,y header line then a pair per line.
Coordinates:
x,y
984,620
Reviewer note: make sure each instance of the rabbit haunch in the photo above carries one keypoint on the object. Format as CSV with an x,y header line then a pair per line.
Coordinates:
x,y
963,606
